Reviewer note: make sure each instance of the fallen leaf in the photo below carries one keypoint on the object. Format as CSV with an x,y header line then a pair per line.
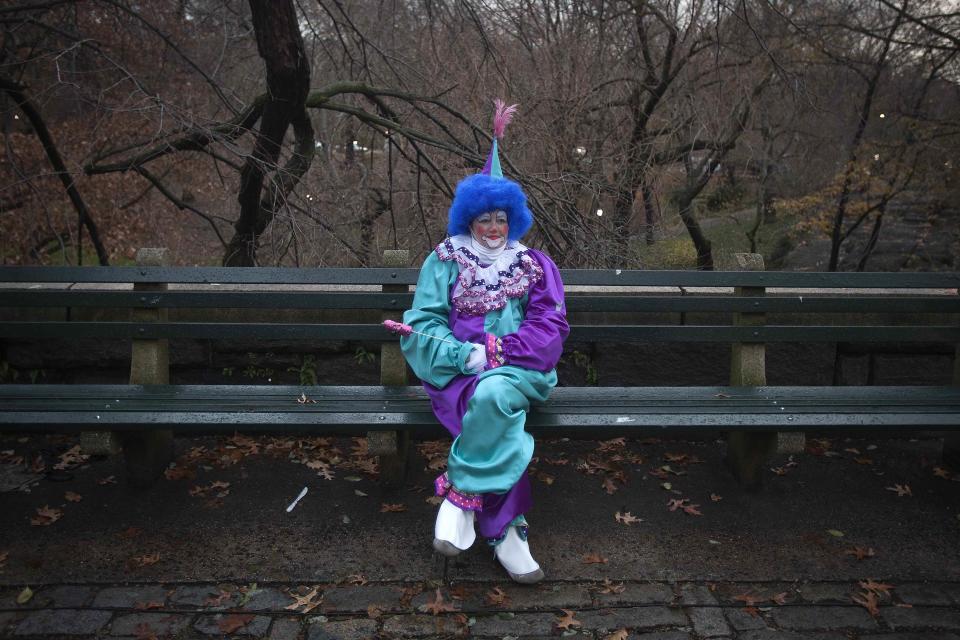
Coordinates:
x,y
594,558
879,588
666,486
836,533
860,553
626,518
218,600
749,599
306,601
619,634
684,504
25,595
179,473
438,605
147,606
753,611
780,598
435,500
901,490
780,471
609,485
566,620
497,597
70,496
143,632
392,508
234,622
459,592
868,600
3,558
107,480
715,498
374,612
145,560
357,579
545,478
46,516
610,588
940,472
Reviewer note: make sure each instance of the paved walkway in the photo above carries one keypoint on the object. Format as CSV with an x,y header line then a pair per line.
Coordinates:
x,y
654,610
855,538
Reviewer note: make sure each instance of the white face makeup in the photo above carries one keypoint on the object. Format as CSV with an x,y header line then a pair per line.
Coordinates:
x,y
490,229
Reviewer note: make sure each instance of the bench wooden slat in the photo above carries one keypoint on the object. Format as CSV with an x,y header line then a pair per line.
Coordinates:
x,y
379,275
376,332
398,301
355,409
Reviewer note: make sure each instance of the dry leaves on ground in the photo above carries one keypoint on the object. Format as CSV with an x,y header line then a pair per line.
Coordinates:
x,y
901,490
594,558
46,515
374,612
147,606
4,555
860,553
611,588
626,518
684,505
234,622
868,600
107,480
392,508
566,620
145,560
307,601
70,496
750,599
356,579
497,597
438,605
143,631
619,634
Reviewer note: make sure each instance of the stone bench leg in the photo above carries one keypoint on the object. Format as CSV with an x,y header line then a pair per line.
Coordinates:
x,y
393,447
748,451
148,453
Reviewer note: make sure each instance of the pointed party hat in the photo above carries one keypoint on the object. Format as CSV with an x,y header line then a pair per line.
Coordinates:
x,y
489,190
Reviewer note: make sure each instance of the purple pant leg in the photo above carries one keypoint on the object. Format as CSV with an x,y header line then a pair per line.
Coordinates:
x,y
499,510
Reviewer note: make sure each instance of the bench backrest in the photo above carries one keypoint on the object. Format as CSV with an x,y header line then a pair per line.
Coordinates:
x,y
628,294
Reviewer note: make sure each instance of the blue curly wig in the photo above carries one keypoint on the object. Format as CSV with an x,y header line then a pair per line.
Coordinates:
x,y
480,193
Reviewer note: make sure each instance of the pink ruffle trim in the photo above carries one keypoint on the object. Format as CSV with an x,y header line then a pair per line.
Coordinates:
x,y
477,299
466,501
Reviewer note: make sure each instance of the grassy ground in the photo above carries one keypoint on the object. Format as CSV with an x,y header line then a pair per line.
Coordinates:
x,y
726,230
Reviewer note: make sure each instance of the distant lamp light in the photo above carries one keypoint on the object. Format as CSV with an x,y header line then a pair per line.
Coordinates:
x,y
883,115
876,156
599,213
580,151
16,116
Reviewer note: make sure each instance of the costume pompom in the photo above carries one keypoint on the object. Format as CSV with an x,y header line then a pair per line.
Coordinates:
x,y
398,327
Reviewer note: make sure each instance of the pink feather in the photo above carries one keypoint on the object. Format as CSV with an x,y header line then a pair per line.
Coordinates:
x,y
502,116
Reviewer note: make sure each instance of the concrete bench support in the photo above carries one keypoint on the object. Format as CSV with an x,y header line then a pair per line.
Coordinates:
x,y
747,451
148,453
951,444
392,446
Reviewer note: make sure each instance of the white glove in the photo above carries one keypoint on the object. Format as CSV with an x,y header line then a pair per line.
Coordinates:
x,y
477,359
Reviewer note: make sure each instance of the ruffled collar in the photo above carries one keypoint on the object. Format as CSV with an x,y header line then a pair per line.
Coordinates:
x,y
482,288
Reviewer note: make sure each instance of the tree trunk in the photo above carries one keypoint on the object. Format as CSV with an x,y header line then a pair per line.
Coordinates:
x,y
288,81
836,233
15,91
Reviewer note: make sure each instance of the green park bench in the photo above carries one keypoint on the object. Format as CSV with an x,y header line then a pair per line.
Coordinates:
x,y
756,307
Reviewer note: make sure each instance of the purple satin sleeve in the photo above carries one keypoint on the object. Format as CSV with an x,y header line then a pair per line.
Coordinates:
x,y
538,343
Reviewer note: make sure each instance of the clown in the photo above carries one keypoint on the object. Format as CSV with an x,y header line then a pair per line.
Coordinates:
x,y
495,310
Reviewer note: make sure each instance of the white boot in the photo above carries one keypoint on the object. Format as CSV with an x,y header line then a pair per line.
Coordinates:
x,y
453,532
514,554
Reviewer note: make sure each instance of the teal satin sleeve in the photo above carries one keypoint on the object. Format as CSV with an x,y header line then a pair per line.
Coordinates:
x,y
434,361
